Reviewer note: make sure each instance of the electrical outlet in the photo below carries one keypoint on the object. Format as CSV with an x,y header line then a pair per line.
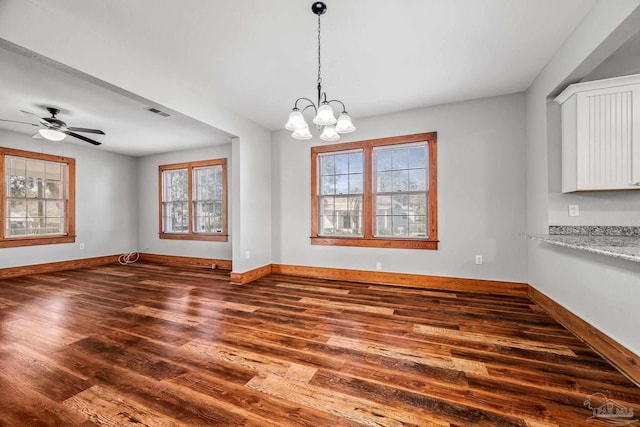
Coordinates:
x,y
479,259
378,265
574,210
81,245
247,255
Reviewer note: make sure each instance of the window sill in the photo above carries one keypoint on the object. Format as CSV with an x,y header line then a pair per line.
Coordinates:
x,y
34,241
376,243
205,237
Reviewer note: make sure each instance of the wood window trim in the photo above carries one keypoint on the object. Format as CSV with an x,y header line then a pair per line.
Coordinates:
x,y
368,239
70,207
190,235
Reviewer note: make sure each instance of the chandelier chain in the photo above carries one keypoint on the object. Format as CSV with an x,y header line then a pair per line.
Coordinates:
x,y
319,62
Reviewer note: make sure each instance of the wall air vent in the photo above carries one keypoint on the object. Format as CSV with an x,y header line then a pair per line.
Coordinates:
x,y
158,112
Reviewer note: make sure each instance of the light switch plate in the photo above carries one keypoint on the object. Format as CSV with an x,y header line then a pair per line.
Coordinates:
x,y
574,210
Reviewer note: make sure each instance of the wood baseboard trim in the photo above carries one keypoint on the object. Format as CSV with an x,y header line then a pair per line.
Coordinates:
x,y
51,267
222,264
251,275
401,279
616,354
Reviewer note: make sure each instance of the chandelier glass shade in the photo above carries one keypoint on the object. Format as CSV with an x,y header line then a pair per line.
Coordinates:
x,y
324,118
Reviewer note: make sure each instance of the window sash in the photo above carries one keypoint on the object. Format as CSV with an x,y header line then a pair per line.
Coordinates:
x,y
401,185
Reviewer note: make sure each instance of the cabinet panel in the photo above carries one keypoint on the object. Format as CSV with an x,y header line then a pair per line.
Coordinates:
x,y
600,149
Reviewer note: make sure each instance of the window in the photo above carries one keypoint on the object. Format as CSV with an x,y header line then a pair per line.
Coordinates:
x,y
379,193
193,200
38,198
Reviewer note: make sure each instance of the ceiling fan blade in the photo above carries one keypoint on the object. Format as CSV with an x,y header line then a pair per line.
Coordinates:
x,y
84,138
33,114
14,121
85,130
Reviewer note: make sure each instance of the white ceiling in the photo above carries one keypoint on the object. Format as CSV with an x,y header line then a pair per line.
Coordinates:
x,y
29,84
256,57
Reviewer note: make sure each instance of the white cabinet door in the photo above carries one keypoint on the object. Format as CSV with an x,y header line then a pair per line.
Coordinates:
x,y
601,135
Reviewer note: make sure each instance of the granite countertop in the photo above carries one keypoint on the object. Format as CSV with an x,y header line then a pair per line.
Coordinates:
x,y
613,241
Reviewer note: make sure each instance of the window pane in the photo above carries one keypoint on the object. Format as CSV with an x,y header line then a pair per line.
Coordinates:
x,y
384,182
35,208
383,226
383,205
53,171
400,180
327,225
36,226
383,160
35,169
327,165
400,159
355,183
54,209
348,216
17,209
418,204
16,166
400,225
355,163
342,163
54,226
418,226
342,184
53,190
206,220
328,185
16,227
175,185
208,183
34,187
176,217
400,204
17,186
417,157
417,180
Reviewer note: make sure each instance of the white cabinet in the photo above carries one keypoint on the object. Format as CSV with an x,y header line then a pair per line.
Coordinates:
x,y
601,135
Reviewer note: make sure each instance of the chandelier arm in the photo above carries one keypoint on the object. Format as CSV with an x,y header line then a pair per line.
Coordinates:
x,y
310,106
344,109
295,106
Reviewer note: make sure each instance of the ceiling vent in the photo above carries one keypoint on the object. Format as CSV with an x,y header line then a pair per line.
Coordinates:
x,y
158,112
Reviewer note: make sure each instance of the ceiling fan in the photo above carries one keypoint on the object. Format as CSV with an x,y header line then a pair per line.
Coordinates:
x,y
55,129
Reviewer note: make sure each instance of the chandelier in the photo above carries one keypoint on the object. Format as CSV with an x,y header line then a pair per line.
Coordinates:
x,y
325,118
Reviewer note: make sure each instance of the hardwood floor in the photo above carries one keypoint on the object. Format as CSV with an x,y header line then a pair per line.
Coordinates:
x,y
156,345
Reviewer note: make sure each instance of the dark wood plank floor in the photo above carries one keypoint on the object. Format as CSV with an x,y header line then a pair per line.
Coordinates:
x,y
156,345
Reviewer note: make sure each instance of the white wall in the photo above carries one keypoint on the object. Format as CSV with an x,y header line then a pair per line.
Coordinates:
x,y
603,291
148,205
106,205
481,199
252,202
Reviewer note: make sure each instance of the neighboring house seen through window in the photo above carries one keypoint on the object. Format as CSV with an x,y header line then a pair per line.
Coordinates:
x,y
193,202
38,198
378,193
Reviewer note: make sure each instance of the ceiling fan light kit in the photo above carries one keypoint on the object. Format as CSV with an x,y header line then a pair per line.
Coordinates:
x,y
324,118
52,134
